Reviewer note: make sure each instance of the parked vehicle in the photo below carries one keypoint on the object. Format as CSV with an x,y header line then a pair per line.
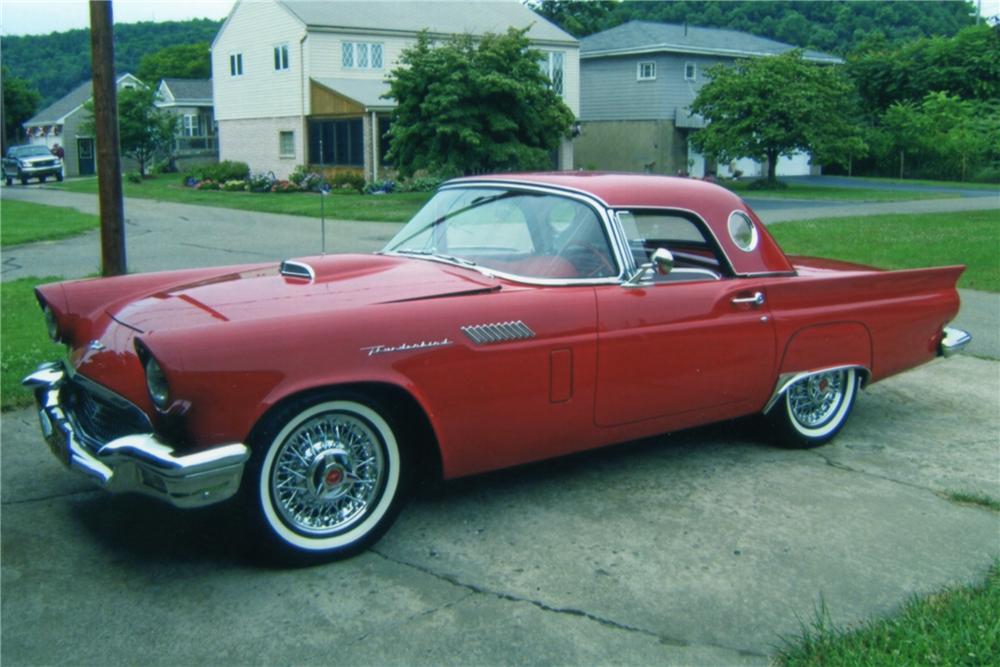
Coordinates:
x,y
514,318
26,162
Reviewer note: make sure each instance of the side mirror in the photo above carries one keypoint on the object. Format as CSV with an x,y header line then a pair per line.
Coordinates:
x,y
663,263
663,260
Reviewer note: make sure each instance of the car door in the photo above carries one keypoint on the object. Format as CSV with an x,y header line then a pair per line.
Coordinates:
x,y
694,342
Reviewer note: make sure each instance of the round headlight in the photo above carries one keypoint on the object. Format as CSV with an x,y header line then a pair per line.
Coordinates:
x,y
156,383
51,324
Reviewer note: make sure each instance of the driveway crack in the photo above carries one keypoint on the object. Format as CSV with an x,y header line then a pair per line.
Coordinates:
x,y
569,611
54,496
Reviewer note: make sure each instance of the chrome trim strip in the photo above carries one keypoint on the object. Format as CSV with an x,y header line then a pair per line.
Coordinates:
x,y
140,462
753,228
953,341
498,332
294,269
786,380
595,203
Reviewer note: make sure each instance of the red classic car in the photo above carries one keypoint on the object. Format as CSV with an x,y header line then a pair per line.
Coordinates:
x,y
514,318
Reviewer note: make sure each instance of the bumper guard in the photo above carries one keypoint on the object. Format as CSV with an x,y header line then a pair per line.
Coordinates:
x,y
139,463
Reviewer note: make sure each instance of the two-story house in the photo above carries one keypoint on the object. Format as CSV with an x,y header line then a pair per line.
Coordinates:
x,y
191,101
637,83
304,82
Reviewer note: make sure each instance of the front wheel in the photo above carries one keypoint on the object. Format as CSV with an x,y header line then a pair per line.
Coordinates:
x,y
24,179
9,179
814,409
328,478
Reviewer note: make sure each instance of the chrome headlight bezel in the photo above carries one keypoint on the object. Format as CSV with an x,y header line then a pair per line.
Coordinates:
x,y
156,384
51,323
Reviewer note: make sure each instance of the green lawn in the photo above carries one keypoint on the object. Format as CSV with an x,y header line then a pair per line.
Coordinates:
x,y
397,207
831,193
905,241
962,185
959,626
24,222
25,342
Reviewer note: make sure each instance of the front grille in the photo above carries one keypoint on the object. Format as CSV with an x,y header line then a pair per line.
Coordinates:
x,y
100,415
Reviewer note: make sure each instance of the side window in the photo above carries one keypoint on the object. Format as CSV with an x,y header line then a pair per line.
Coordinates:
x,y
696,255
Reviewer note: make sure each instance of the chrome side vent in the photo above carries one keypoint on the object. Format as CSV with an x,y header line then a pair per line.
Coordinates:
x,y
293,269
500,332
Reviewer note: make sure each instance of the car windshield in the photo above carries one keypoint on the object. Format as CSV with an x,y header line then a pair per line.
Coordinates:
x,y
29,151
515,232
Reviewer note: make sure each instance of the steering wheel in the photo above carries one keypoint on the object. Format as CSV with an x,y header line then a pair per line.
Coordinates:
x,y
589,261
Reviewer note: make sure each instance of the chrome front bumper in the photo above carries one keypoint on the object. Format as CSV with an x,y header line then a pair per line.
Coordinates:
x,y
954,341
138,463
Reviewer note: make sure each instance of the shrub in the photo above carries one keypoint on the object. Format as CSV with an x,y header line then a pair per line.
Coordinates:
x,y
207,184
348,180
382,186
227,170
133,177
309,181
234,186
260,182
422,184
764,184
284,186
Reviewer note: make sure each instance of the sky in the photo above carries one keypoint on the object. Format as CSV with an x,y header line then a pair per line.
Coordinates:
x,y
40,17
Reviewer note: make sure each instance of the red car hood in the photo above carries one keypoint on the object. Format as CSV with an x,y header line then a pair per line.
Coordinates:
x,y
341,282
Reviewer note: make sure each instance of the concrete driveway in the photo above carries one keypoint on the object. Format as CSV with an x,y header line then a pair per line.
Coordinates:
x,y
702,548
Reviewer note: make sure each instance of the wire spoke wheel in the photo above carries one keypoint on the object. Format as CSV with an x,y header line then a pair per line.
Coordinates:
x,y
327,473
814,408
814,400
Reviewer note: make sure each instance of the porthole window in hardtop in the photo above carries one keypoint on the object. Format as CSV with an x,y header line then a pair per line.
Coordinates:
x,y
691,247
519,233
742,231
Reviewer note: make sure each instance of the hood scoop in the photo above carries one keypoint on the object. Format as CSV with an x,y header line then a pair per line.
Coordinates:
x,y
294,269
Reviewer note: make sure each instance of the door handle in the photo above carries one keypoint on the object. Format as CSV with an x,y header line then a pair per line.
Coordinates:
x,y
757,299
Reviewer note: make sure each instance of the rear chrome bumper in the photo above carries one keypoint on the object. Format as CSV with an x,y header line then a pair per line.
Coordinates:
x,y
953,341
138,463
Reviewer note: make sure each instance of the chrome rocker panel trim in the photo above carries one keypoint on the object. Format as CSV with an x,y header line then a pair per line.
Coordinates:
x,y
786,380
139,463
953,342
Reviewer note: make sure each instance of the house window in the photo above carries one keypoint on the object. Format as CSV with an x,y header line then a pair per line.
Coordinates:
x,y
281,57
236,64
646,71
361,55
337,142
286,144
552,67
192,125
690,71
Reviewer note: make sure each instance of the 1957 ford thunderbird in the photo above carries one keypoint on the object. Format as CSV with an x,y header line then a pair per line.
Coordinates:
x,y
514,318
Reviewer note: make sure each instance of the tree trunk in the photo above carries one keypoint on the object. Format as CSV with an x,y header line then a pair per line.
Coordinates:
x,y
902,159
772,167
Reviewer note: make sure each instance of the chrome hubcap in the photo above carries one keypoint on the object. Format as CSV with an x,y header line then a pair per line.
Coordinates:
x,y
328,473
814,400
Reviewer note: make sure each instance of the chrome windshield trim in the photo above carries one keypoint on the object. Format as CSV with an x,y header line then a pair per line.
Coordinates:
x,y
595,203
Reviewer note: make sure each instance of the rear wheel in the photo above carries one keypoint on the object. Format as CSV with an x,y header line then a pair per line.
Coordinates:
x,y
59,177
41,179
328,478
9,179
814,409
24,179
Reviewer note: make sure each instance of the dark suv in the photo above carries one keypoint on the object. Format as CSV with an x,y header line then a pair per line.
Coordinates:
x,y
24,162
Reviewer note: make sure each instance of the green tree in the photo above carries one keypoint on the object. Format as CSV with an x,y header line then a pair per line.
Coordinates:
x,y
764,108
144,131
20,101
474,105
180,61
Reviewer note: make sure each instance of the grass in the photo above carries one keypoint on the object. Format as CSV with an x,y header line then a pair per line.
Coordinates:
x,y
958,626
396,207
24,222
905,241
24,342
831,193
977,499
960,185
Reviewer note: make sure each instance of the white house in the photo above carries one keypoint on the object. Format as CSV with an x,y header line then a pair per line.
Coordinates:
x,y
303,82
191,101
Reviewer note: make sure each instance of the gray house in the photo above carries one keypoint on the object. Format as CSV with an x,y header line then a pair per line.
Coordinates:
x,y
191,99
59,123
637,81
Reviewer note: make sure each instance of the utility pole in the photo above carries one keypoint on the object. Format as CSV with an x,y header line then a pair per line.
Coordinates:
x,y
109,171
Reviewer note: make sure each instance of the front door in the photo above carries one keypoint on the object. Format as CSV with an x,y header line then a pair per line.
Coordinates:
x,y
682,347
85,156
